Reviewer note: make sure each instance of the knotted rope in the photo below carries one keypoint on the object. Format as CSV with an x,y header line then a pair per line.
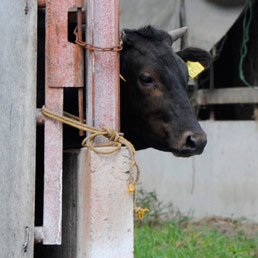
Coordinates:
x,y
116,140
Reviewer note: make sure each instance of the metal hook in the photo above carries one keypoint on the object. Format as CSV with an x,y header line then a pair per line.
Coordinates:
x,y
26,242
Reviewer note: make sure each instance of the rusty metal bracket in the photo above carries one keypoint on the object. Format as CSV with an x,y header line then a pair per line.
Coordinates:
x,y
63,57
64,68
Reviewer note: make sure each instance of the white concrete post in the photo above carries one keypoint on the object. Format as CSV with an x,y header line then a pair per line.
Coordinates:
x,y
105,207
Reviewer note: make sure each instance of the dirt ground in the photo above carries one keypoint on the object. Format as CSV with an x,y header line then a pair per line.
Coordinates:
x,y
229,226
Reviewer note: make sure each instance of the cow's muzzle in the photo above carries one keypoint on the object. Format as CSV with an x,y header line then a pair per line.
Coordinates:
x,y
191,144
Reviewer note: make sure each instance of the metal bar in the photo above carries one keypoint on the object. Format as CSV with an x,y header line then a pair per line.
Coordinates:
x,y
103,105
64,67
241,95
53,164
53,147
80,90
81,110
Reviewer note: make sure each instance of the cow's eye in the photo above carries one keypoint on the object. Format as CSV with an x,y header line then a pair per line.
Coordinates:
x,y
146,79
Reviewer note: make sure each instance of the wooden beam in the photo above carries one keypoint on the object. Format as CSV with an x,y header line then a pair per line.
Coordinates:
x,y
241,95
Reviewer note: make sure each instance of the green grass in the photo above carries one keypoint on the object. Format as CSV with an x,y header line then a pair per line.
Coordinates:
x,y
179,240
211,237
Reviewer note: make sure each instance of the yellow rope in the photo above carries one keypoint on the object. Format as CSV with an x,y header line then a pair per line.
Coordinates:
x,y
116,140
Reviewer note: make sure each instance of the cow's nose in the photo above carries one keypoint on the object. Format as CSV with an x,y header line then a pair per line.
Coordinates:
x,y
194,143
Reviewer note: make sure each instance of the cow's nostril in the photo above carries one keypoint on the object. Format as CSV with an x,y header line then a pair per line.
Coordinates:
x,y
191,142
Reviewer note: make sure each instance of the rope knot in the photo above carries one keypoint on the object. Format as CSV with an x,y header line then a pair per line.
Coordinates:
x,y
111,134
116,141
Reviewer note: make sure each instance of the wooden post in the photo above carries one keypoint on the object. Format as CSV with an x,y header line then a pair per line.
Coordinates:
x,y
18,53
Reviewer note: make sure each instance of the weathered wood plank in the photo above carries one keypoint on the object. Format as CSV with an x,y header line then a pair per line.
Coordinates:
x,y
242,95
18,48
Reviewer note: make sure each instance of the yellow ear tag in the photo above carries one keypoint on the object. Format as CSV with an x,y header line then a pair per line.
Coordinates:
x,y
122,78
194,68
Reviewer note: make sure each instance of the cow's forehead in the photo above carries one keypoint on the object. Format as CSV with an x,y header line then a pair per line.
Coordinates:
x,y
163,59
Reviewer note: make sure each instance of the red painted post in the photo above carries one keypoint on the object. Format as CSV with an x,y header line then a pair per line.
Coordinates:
x,y
105,216
103,104
53,170
64,68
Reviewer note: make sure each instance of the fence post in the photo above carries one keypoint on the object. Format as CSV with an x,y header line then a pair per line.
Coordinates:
x,y
105,207
103,102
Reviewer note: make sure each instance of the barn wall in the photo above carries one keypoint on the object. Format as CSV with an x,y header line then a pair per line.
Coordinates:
x,y
17,127
222,181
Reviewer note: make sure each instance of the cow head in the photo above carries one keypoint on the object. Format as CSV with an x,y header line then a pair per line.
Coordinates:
x,y
155,108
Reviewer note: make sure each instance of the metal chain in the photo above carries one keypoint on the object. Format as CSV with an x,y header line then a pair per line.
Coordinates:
x,y
91,47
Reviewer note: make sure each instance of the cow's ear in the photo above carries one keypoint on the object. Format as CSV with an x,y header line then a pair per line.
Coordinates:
x,y
196,55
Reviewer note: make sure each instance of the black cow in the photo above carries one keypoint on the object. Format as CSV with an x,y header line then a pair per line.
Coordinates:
x,y
155,110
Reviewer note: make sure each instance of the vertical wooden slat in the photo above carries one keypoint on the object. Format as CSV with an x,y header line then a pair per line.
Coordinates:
x,y
18,127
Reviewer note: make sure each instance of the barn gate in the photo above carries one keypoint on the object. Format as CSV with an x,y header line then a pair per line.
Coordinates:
x,y
87,211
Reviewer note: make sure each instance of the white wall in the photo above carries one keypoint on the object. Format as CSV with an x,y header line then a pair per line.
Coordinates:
x,y
222,181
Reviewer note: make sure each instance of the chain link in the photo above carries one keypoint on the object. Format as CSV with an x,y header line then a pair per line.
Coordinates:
x,y
95,48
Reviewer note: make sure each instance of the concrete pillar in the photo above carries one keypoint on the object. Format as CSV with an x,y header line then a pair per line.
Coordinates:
x,y
105,207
